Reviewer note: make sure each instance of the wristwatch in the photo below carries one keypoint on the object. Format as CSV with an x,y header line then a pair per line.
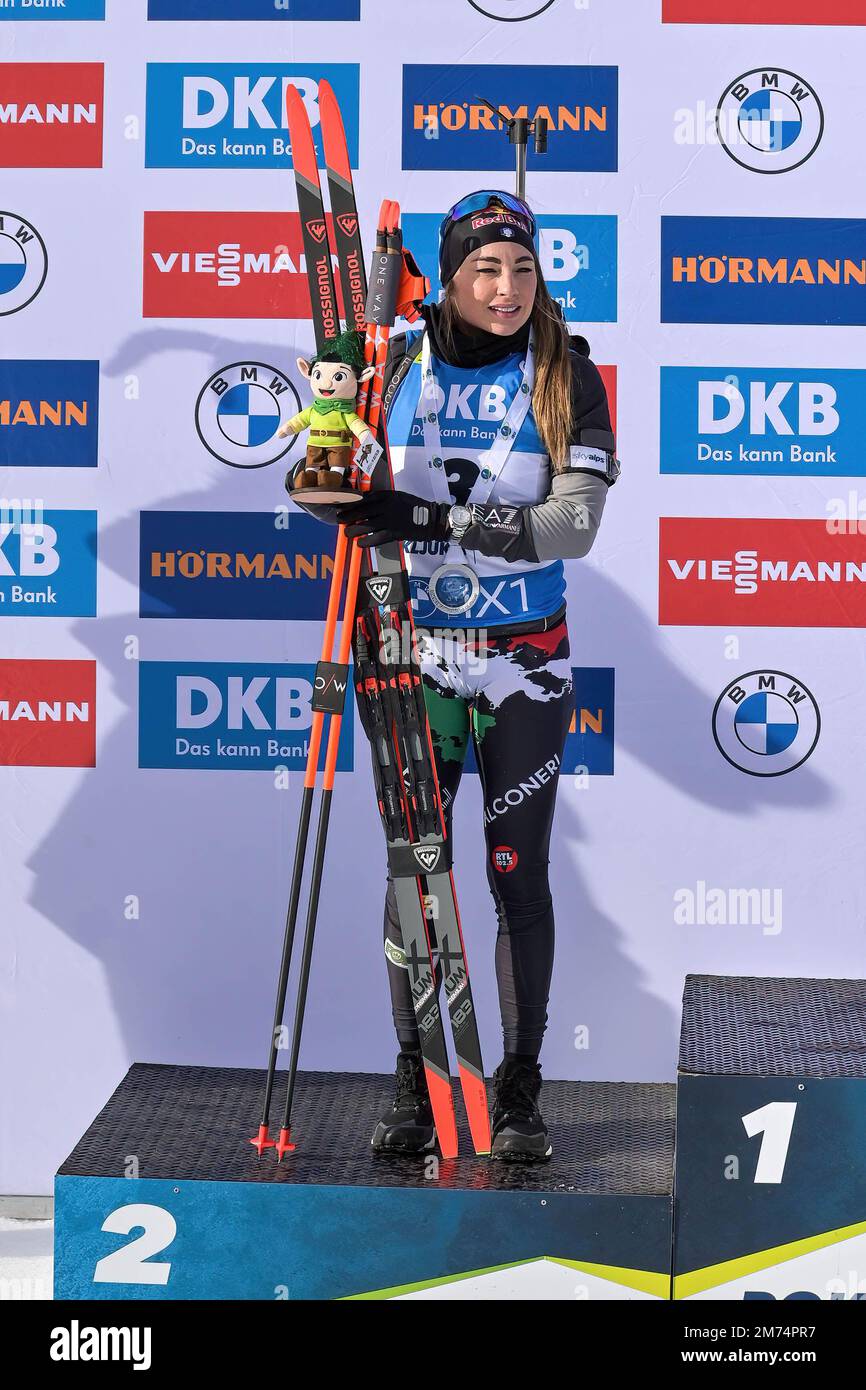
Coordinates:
x,y
459,521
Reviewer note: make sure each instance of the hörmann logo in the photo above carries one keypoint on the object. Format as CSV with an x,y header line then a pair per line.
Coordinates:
x,y
760,572
233,115
292,10
234,565
447,126
763,270
49,413
51,115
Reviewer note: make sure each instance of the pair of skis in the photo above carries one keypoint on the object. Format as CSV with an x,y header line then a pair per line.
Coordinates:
x,y
388,684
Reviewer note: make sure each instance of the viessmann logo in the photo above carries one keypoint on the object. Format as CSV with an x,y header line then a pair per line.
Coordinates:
x,y
224,265
51,115
763,12
447,126
233,115
763,270
47,713
760,572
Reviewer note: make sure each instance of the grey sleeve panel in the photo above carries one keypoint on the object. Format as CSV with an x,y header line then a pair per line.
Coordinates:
x,y
564,525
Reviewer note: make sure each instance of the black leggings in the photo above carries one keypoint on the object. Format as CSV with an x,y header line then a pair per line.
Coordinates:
x,y
514,694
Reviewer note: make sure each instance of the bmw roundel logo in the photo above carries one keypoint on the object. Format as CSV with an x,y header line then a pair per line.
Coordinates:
x,y
23,263
769,120
239,412
511,11
766,723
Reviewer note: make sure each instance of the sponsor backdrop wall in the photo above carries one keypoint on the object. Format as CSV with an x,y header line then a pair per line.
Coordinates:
x,y
161,607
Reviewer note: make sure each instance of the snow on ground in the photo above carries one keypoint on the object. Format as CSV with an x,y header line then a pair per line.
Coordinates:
x,y
26,1258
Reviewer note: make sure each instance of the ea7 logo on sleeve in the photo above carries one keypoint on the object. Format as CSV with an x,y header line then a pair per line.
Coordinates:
x,y
51,115
47,713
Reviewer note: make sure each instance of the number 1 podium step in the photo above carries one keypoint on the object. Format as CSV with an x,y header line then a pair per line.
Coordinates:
x,y
771,1140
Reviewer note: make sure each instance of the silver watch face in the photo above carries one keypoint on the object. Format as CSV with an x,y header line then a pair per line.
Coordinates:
x,y
460,516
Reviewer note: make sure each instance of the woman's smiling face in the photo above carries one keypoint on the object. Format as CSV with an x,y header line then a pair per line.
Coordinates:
x,y
494,288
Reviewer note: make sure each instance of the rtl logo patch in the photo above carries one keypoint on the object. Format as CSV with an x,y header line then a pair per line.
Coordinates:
x,y
47,713
504,859
224,265
51,115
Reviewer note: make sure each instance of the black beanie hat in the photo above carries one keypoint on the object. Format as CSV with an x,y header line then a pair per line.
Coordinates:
x,y
495,222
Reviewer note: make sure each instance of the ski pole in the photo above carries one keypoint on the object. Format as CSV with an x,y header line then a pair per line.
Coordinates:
x,y
284,1144
261,1140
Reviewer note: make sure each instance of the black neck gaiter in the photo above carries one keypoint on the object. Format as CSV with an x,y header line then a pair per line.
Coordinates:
x,y
473,347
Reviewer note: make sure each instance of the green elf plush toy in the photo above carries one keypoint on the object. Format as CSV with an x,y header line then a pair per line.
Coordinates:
x,y
335,374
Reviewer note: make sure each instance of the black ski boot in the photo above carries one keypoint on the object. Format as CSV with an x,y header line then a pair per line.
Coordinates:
x,y
519,1132
408,1126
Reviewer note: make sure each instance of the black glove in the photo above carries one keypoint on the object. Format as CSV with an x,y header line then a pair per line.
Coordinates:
x,y
394,516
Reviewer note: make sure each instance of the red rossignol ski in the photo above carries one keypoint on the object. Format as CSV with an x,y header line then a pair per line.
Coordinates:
x,y
388,591
391,702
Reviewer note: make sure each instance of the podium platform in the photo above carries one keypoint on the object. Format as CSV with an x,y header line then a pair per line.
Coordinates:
x,y
770,1197
164,1198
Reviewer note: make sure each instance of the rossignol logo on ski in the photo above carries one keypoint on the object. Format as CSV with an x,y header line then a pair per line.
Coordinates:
x,y
379,589
317,231
427,856
347,224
